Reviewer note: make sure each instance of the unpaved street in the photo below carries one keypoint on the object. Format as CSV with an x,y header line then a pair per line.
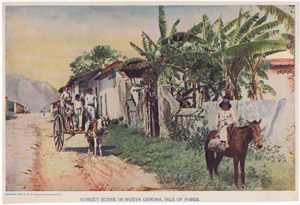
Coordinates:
x,y
32,163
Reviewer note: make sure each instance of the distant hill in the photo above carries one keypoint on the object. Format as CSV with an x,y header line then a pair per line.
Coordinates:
x,y
34,94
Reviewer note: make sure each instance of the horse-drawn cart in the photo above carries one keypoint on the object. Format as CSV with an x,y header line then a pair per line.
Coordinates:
x,y
64,124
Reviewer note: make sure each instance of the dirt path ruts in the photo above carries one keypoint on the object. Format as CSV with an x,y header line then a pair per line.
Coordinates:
x,y
73,170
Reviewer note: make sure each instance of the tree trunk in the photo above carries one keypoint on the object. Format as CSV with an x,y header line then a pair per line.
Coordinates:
x,y
194,94
253,88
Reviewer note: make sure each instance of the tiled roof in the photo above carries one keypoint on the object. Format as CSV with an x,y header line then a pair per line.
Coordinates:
x,y
54,102
114,65
281,61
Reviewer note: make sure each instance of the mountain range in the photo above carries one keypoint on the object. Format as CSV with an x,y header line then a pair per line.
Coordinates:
x,y
34,94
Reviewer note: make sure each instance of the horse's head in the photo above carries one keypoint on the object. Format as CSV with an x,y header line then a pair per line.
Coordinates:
x,y
102,126
256,133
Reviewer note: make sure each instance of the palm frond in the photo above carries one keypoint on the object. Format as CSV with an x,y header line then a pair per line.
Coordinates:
x,y
281,16
267,35
260,21
258,30
253,47
135,47
151,43
174,30
243,29
162,22
230,25
287,36
196,29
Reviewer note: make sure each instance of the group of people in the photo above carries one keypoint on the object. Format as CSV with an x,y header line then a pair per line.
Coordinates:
x,y
89,102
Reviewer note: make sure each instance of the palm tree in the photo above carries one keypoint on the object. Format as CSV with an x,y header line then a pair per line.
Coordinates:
x,y
157,69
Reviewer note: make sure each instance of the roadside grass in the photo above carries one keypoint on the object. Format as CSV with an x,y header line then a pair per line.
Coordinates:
x,y
180,168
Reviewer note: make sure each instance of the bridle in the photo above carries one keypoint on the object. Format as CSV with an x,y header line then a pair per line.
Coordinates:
x,y
256,140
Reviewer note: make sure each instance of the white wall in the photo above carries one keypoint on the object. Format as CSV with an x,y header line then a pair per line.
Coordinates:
x,y
277,116
107,86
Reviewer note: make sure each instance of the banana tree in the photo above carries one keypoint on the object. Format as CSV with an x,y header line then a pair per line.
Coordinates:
x,y
244,41
287,19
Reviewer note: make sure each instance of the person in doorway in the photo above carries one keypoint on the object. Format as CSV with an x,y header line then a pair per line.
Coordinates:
x,y
90,104
78,112
226,117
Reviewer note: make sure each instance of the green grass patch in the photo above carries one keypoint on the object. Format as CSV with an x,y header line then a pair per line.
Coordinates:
x,y
181,168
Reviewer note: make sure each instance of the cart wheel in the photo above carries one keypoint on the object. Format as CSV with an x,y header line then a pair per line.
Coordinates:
x,y
58,133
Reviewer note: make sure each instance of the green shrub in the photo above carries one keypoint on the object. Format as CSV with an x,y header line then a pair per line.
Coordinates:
x,y
180,169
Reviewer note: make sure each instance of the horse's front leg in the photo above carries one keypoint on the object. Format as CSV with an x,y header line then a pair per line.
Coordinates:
x,y
89,147
242,164
95,146
100,145
216,164
236,174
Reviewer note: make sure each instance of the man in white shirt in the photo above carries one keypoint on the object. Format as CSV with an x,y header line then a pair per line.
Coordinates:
x,y
90,104
78,108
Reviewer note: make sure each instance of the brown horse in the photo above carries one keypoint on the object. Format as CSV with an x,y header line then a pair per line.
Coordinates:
x,y
240,139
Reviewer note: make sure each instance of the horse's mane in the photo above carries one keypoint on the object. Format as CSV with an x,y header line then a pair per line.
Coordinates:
x,y
247,126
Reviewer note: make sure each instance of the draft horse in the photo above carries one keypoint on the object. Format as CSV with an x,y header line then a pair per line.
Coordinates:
x,y
240,139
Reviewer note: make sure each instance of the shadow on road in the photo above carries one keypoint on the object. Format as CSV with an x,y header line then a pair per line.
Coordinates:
x,y
11,117
84,150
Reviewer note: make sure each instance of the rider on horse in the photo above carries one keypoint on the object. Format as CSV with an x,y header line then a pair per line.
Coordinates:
x,y
226,121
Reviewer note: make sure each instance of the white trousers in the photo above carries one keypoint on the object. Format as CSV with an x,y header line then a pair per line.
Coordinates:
x,y
78,118
223,133
91,113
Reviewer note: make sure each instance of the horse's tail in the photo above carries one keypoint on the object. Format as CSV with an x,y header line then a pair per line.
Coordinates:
x,y
209,155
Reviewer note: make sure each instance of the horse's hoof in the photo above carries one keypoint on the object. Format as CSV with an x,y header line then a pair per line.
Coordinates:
x,y
243,186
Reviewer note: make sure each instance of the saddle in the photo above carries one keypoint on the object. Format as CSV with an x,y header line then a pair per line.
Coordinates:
x,y
230,130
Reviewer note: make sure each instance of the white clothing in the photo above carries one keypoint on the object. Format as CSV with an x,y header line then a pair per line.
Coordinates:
x,y
90,99
78,108
225,118
91,113
223,133
90,104
65,96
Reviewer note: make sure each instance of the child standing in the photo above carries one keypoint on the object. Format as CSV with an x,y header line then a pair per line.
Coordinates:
x,y
78,112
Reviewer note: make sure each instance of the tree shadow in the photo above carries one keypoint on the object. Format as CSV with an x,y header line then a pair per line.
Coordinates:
x,y
84,150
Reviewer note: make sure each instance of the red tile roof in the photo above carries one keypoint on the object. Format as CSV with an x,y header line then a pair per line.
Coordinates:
x,y
114,65
55,102
281,61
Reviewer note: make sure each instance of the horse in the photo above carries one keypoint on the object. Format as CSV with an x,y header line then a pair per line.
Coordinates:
x,y
96,129
241,137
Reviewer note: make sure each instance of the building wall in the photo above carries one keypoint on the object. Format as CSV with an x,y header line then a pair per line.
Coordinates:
x,y
283,89
108,97
19,108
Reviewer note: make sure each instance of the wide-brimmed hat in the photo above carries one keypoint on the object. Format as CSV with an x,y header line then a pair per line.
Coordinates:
x,y
225,101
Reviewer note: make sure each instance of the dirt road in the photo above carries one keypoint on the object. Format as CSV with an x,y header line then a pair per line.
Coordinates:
x,y
32,163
